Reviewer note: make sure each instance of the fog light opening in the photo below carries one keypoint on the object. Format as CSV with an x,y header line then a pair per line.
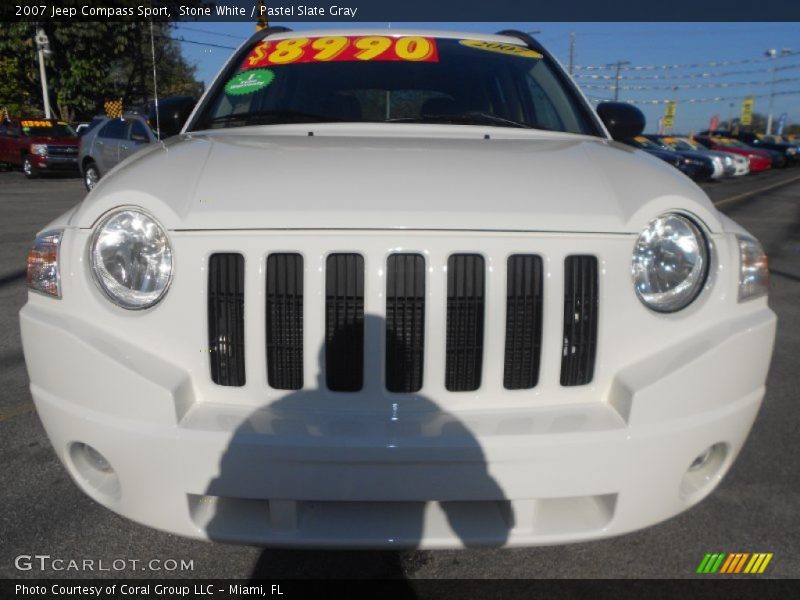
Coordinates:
x,y
704,472
702,459
95,473
97,460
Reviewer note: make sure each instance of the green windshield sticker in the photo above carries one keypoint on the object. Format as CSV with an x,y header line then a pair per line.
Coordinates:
x,y
249,82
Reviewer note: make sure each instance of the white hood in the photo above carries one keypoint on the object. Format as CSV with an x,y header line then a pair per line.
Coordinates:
x,y
397,176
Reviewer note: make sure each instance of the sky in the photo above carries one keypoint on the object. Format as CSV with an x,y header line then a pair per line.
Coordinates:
x,y
208,45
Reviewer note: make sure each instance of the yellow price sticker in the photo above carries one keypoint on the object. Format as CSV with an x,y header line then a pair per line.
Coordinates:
x,y
511,49
340,48
36,123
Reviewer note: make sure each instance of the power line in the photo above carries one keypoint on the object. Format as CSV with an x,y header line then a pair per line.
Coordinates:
x,y
717,63
688,86
183,40
683,75
696,100
228,35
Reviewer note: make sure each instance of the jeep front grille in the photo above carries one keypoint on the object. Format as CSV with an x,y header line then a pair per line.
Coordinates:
x,y
284,308
523,321
226,318
402,345
580,320
344,322
405,322
465,304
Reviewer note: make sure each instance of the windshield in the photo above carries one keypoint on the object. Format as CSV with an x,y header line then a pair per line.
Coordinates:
x,y
47,129
732,144
680,144
642,142
393,79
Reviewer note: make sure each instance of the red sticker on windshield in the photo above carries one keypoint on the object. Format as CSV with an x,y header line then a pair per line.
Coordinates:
x,y
341,48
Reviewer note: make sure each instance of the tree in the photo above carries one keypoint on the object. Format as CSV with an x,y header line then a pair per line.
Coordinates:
x,y
90,62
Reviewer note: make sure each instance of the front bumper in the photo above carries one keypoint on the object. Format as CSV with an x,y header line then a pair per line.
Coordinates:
x,y
55,163
296,472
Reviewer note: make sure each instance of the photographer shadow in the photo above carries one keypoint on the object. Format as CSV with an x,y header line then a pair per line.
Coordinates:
x,y
407,471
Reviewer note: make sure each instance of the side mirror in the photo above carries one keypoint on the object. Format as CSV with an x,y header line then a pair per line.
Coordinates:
x,y
139,138
622,120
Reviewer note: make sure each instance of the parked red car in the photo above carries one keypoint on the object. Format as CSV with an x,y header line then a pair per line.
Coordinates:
x,y
759,159
38,145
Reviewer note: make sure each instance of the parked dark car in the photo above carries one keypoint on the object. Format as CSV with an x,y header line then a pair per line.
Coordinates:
x,y
696,169
172,114
713,161
787,151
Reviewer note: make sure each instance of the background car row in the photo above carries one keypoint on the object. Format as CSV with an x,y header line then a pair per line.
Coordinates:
x,y
38,146
713,155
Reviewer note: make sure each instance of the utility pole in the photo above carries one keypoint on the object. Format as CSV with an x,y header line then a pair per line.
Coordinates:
x,y
571,52
43,46
772,53
619,64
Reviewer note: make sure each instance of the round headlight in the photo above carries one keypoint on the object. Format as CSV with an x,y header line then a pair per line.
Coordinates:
x,y
670,263
131,259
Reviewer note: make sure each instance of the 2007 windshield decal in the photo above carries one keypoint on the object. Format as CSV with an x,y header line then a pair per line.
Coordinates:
x,y
343,49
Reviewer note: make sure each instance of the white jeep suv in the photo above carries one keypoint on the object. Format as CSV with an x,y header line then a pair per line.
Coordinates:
x,y
397,289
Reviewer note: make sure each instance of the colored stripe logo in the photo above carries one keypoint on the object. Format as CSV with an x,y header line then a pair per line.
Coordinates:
x,y
734,563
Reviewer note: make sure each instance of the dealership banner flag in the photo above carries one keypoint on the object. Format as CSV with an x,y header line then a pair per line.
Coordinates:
x,y
781,124
113,108
746,117
669,115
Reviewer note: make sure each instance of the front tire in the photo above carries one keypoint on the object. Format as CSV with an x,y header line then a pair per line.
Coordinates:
x,y
28,168
91,175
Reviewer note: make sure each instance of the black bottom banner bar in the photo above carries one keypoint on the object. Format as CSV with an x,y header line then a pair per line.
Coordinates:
x,y
380,589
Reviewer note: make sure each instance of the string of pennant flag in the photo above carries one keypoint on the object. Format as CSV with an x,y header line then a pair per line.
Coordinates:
x,y
597,99
704,75
716,63
687,86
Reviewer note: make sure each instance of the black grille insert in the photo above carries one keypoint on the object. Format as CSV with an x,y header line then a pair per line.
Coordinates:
x,y
226,318
523,321
284,308
405,322
465,307
344,322
580,320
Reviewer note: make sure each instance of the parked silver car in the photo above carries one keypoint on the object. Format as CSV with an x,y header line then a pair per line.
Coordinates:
x,y
109,143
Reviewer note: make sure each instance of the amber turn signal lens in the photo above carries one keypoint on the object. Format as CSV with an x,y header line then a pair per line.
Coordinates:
x,y
43,274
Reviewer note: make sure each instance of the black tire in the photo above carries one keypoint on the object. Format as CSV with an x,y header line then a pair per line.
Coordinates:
x,y
28,168
91,175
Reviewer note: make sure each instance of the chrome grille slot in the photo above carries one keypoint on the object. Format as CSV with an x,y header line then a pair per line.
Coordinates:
x,y
405,322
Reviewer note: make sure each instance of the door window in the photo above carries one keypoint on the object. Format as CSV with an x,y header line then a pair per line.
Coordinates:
x,y
115,129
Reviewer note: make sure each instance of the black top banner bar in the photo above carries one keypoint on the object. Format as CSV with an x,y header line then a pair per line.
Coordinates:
x,y
355,11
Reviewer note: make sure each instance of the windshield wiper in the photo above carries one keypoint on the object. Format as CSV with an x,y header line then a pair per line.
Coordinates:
x,y
271,117
468,118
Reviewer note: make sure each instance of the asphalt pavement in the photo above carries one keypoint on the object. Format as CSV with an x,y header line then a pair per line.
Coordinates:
x,y
755,509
